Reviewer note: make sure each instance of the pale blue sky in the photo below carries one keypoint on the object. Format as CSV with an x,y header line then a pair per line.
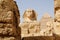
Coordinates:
x,y
40,6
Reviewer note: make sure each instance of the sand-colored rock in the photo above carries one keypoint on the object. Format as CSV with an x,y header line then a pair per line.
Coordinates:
x,y
7,38
56,3
34,27
39,38
57,15
7,29
47,29
56,24
57,28
29,15
44,21
9,20
7,6
29,29
30,26
7,17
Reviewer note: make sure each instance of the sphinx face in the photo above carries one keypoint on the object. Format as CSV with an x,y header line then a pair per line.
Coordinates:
x,y
29,13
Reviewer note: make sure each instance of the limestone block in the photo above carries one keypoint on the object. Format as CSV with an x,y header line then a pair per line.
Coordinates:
x,y
7,17
9,20
30,29
10,5
48,29
9,38
34,28
24,31
27,35
45,33
37,34
57,3
6,5
38,38
24,25
57,15
24,35
56,37
56,28
7,29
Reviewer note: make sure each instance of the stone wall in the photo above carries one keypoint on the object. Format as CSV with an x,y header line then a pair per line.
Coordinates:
x,y
9,20
56,31
30,29
39,38
34,30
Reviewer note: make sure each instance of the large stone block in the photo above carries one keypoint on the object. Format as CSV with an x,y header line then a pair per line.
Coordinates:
x,y
8,29
57,15
9,20
56,3
56,37
10,38
56,28
24,31
7,38
39,38
7,17
34,27
6,6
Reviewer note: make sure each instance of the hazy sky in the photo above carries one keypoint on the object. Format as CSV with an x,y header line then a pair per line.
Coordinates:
x,y
40,6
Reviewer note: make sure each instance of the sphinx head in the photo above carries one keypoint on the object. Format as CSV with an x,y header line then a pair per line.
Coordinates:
x,y
30,14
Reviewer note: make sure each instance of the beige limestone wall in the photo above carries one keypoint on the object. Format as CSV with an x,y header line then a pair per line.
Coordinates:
x,y
9,20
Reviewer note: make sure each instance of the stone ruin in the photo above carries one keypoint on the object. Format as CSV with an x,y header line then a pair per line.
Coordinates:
x,y
45,25
33,29
57,19
47,29
30,26
9,20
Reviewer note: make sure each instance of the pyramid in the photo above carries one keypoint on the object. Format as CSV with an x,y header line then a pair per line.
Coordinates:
x,y
46,21
46,15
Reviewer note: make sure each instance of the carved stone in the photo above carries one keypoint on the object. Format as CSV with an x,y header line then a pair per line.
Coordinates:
x,y
9,20
29,15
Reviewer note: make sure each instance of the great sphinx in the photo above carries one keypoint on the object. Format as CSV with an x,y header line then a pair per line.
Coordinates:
x,y
29,15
